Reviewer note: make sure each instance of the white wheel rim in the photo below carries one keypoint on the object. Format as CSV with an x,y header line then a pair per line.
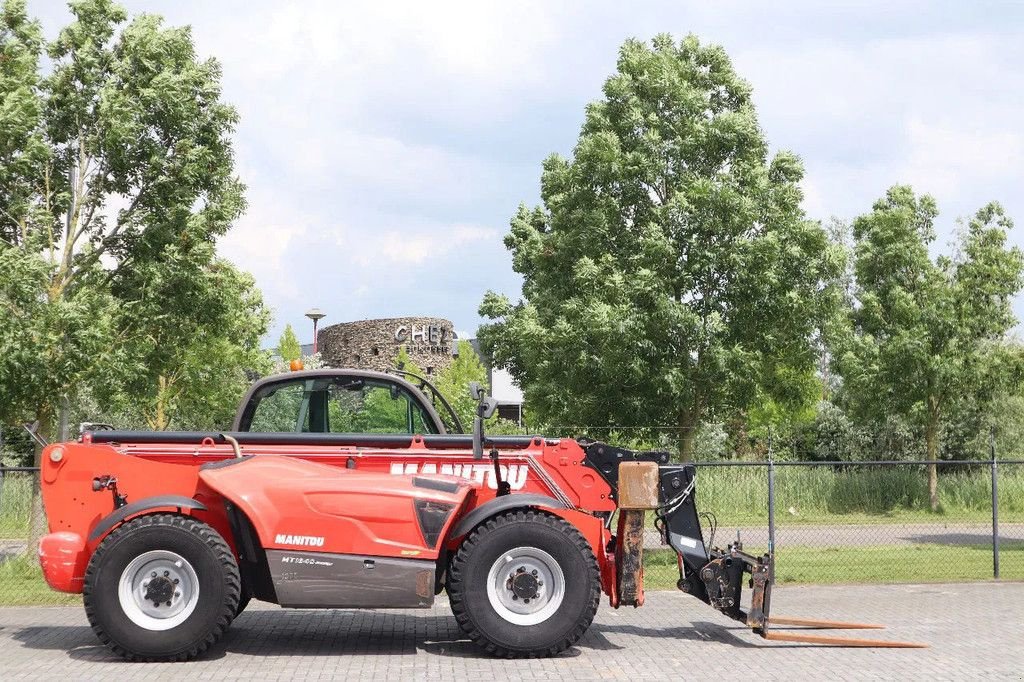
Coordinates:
x,y
525,586
158,590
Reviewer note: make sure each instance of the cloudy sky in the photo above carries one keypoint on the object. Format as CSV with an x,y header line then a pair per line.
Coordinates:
x,y
386,145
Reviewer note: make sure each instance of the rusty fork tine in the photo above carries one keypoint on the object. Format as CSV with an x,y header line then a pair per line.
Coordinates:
x,y
822,624
840,641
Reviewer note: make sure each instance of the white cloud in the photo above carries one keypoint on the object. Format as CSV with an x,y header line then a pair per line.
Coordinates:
x,y
939,110
405,247
261,240
346,55
952,158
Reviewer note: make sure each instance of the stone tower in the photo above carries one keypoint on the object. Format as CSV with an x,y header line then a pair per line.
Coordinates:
x,y
375,344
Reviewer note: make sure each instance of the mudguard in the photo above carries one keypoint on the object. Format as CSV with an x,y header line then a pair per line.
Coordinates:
x,y
113,519
504,503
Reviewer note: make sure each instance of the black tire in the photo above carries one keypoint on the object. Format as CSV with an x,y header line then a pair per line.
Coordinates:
x,y
216,577
469,575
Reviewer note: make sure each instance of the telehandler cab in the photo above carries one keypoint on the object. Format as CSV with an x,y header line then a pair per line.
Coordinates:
x,y
344,489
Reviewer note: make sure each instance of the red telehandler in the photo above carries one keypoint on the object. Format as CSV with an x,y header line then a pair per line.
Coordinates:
x,y
345,489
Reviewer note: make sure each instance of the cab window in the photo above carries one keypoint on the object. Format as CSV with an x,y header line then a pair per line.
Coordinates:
x,y
338,405
279,408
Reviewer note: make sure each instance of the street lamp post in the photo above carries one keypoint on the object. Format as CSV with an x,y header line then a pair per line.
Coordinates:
x,y
316,315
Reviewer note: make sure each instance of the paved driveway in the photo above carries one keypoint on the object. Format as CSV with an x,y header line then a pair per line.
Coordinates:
x,y
975,630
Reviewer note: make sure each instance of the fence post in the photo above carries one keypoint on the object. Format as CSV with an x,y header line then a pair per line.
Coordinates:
x,y
995,503
771,508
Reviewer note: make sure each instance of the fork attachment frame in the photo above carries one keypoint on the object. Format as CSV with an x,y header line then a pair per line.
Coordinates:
x,y
716,576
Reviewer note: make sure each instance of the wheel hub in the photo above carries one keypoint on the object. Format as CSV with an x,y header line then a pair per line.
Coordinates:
x,y
158,590
525,586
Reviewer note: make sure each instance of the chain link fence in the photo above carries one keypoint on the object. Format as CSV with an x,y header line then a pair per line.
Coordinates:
x,y
862,522
21,580
839,522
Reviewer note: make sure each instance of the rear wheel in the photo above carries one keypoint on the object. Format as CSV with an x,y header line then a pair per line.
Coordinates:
x,y
524,584
161,588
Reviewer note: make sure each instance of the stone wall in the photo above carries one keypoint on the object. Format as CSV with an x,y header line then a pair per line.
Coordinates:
x,y
374,344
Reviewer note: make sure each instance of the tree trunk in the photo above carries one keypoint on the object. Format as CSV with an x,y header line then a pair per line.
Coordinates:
x,y
159,421
687,426
931,441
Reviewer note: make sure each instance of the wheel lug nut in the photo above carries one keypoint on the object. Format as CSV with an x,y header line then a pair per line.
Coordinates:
x,y
153,574
526,601
521,570
168,603
534,571
540,583
175,581
515,597
157,604
177,594
166,573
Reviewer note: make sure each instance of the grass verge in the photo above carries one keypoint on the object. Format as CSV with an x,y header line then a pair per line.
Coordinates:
x,y
825,495
22,584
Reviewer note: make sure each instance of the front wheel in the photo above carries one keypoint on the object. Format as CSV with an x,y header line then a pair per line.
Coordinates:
x,y
161,588
524,584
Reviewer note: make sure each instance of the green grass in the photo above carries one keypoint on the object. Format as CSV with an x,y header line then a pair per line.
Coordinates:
x,y
22,584
822,495
880,564
15,504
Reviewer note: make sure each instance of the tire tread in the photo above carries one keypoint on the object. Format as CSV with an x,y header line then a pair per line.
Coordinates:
x,y
225,558
456,584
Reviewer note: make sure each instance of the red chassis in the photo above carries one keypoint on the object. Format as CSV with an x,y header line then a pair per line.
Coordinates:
x,y
351,499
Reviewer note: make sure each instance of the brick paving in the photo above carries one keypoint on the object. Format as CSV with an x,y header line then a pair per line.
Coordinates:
x,y
976,631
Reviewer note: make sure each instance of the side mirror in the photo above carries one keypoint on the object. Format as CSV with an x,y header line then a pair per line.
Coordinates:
x,y
485,407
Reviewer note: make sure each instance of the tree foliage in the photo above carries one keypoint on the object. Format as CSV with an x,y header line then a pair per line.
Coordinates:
x,y
288,346
454,380
116,178
191,345
925,333
670,275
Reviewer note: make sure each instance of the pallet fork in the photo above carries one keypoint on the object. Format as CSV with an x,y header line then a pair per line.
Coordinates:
x,y
723,577
712,575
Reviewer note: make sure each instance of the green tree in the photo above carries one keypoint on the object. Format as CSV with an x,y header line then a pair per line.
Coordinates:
x,y
288,346
453,381
115,167
924,332
191,344
670,275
